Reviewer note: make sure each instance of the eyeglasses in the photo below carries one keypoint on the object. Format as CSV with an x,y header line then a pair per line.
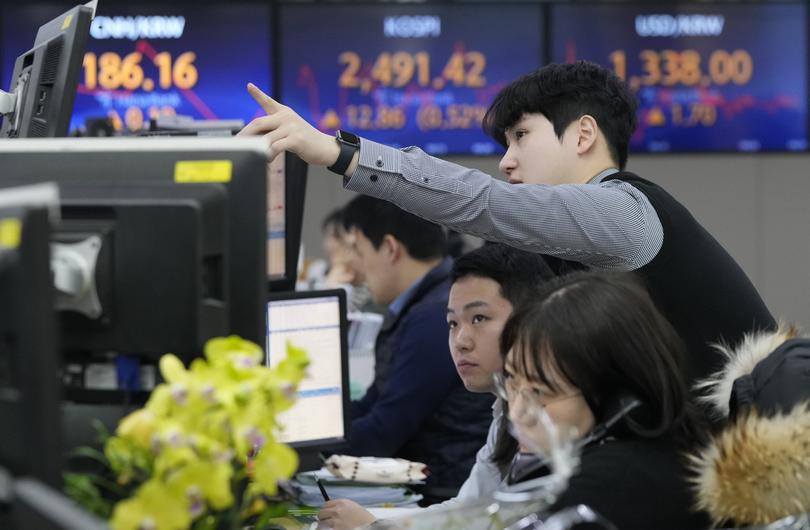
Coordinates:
x,y
531,399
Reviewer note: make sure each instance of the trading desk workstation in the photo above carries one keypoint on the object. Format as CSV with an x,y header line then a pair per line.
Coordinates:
x,y
117,250
114,251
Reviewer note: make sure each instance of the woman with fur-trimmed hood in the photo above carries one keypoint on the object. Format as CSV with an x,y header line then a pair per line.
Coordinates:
x,y
757,469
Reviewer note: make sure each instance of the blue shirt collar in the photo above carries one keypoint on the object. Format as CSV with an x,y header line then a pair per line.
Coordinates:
x,y
442,269
399,302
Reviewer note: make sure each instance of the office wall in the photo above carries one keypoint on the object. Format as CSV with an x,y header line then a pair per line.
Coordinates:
x,y
757,206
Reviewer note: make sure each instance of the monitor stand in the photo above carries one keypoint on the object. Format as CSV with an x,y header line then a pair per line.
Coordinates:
x,y
309,459
11,102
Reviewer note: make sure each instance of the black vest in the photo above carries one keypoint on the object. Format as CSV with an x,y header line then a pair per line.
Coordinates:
x,y
695,283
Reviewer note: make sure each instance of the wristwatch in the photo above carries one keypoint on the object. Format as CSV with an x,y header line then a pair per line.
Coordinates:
x,y
349,145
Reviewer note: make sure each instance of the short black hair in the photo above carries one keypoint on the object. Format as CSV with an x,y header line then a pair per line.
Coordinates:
x,y
564,93
518,272
376,218
602,332
332,222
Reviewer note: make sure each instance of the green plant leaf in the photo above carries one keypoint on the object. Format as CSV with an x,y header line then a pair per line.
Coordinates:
x,y
92,454
82,489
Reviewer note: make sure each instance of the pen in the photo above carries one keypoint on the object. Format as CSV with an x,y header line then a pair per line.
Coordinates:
x,y
320,487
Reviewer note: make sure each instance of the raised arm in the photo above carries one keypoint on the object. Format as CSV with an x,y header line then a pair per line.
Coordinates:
x,y
611,225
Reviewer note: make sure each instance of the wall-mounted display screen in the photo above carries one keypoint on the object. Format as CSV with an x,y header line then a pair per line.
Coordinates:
x,y
420,75
709,77
145,60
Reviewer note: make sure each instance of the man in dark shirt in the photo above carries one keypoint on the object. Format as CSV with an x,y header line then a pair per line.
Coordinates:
x,y
566,129
417,407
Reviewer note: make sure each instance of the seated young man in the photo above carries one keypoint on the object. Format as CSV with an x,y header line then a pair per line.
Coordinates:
x,y
486,284
417,407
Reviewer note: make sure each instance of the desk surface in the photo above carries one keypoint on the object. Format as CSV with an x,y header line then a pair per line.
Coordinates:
x,y
311,522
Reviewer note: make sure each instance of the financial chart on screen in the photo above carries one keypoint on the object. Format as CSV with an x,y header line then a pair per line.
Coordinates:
x,y
420,75
313,324
709,77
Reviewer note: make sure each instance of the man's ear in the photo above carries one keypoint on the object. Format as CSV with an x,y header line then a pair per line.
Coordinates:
x,y
392,247
587,131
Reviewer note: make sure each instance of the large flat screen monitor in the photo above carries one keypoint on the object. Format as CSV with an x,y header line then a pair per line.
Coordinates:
x,y
160,58
420,74
315,321
709,76
44,78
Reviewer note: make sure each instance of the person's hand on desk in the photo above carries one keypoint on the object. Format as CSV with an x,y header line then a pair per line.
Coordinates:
x,y
285,130
343,514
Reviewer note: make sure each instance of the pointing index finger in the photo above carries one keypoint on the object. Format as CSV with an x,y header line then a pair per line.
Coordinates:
x,y
269,104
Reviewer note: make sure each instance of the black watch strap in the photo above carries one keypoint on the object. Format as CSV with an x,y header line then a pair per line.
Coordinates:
x,y
349,145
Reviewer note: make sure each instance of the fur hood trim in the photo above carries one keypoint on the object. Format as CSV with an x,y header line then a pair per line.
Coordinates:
x,y
756,471
715,391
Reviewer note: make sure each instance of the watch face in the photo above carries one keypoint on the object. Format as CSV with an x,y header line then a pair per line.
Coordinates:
x,y
349,138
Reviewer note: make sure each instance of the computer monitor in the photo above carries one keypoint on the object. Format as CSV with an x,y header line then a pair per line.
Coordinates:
x,y
29,385
287,181
316,322
239,165
140,267
31,448
40,99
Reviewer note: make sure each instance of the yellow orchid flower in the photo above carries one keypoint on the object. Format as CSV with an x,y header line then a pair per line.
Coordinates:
x,y
273,463
294,365
154,506
253,426
160,401
208,447
172,458
234,353
139,426
172,369
196,430
211,479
